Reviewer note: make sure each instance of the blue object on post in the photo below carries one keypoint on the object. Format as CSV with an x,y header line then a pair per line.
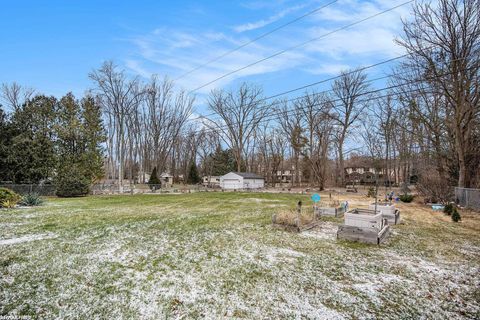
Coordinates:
x,y
315,197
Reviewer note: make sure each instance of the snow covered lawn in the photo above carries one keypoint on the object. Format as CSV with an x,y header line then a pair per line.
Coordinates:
x,y
216,255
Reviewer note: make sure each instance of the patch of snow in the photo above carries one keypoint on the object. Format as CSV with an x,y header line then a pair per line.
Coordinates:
x,y
326,231
28,238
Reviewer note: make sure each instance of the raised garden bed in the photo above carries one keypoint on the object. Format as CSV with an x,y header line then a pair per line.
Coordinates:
x,y
296,222
388,211
363,225
329,211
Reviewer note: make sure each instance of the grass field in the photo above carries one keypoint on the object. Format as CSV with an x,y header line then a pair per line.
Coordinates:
x,y
216,255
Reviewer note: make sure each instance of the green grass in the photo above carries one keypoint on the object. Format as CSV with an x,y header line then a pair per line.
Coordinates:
x,y
215,255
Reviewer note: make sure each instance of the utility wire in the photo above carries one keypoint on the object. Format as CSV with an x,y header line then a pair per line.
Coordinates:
x,y
279,114
301,45
255,39
320,82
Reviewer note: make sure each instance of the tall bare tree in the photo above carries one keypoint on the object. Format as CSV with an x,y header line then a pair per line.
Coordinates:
x,y
292,127
166,113
351,92
118,96
443,40
318,125
240,115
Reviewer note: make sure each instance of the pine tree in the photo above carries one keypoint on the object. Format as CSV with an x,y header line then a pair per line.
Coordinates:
x,y
154,182
32,150
79,131
193,176
223,162
5,142
93,136
456,215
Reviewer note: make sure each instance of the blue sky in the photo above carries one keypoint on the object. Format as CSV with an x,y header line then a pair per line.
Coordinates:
x,y
53,45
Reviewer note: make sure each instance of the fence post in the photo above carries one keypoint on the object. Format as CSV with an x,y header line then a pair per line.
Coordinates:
x,y
466,198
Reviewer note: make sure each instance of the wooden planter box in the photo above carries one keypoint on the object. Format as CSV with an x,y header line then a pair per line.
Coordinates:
x,y
329,211
363,235
363,225
388,211
364,218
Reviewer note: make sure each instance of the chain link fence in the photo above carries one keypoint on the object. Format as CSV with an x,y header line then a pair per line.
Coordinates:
x,y
40,189
468,198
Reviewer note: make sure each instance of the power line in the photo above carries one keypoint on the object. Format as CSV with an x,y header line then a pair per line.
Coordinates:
x,y
255,39
320,82
277,115
301,45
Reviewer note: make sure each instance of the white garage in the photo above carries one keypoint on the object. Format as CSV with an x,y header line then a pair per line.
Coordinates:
x,y
241,180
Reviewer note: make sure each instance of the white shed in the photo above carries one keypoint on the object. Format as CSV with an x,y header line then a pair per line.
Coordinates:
x,y
241,180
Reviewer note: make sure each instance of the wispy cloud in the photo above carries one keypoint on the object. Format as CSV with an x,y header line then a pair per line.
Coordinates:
x,y
264,22
174,51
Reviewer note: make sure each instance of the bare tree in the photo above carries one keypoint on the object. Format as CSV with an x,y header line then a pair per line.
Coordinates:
x,y
14,95
292,127
166,113
208,142
118,96
351,90
443,40
240,115
318,122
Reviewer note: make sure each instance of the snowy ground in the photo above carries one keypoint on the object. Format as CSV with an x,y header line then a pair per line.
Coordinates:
x,y
216,255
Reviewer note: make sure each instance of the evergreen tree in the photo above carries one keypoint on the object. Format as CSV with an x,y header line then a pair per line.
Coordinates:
x,y
32,152
223,162
154,182
93,135
456,215
5,141
79,136
193,176
71,182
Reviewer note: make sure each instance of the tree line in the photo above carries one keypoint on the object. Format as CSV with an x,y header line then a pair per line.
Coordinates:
x,y
49,140
425,122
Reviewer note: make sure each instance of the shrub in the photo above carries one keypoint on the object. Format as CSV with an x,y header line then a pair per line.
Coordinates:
x,y
456,215
71,183
8,198
433,188
448,209
289,217
31,200
371,192
406,198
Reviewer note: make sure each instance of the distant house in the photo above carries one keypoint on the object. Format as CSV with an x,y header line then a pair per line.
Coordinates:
x,y
284,176
241,180
211,181
166,179
362,175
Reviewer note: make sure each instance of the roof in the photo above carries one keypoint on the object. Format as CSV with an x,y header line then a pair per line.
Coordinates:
x,y
248,175
166,175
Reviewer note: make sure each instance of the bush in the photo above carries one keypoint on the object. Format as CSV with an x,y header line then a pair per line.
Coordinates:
x,y
456,215
448,209
433,188
371,192
72,183
406,198
31,200
8,198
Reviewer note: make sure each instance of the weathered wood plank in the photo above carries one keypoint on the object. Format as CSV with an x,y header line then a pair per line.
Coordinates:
x,y
364,235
